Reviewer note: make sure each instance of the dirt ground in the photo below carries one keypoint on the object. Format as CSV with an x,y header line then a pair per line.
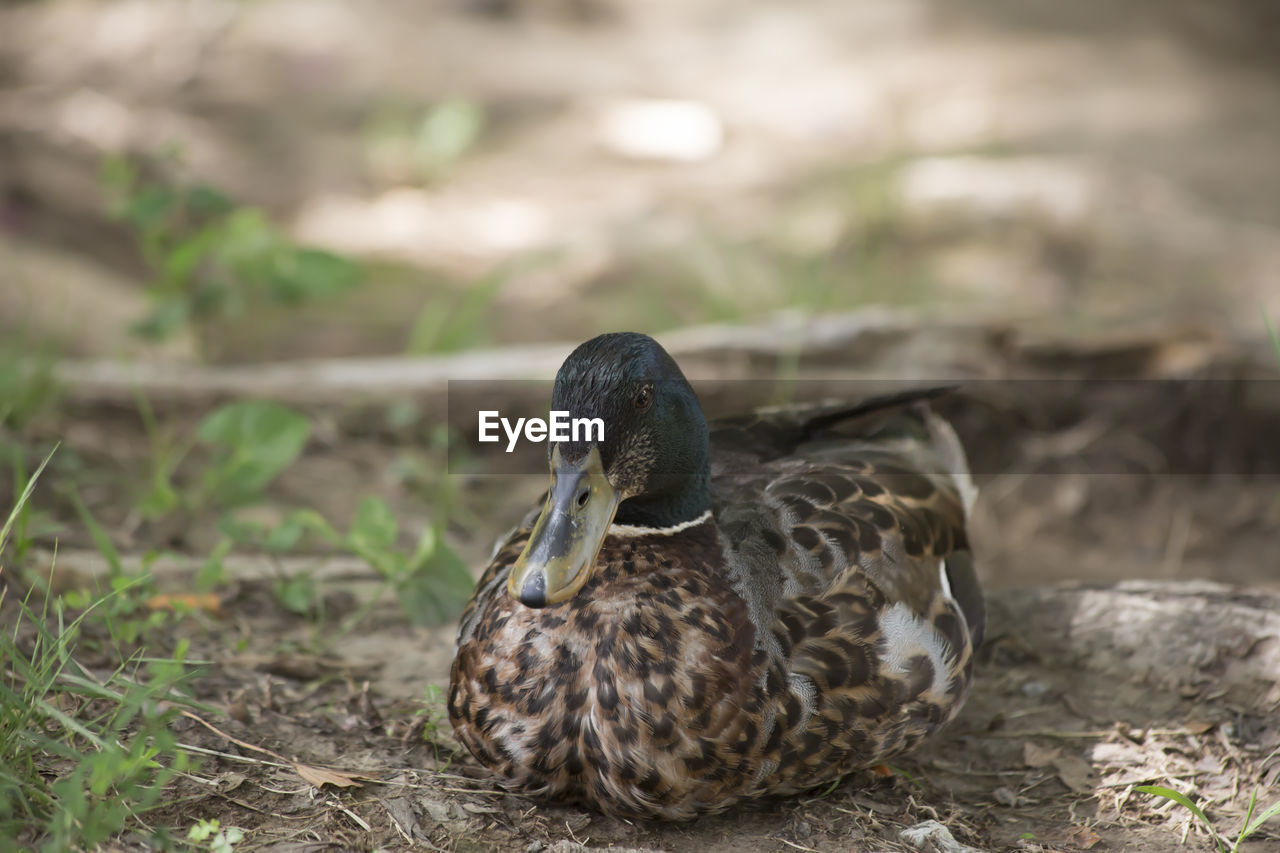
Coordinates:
x,y
1084,690
1044,757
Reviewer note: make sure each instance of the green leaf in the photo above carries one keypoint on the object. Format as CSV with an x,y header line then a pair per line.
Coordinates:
x,y
160,500
208,201
227,839
167,317
309,519
256,440
149,207
284,536
27,383
298,594
461,323
202,830
447,132
118,176
374,528
1272,811
240,531
298,275
438,585
213,573
1182,800
248,242
181,263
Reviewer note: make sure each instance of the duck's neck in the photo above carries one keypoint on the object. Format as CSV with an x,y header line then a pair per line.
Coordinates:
x,y
687,501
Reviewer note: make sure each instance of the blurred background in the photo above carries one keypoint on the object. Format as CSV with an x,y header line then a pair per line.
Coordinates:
x,y
204,204
503,171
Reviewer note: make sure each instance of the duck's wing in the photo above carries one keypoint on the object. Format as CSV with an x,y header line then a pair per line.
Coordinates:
x,y
781,431
814,501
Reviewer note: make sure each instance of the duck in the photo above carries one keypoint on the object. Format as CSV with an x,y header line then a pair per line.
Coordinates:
x,y
701,613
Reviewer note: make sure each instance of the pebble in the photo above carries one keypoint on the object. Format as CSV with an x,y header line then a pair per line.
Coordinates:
x,y
1034,689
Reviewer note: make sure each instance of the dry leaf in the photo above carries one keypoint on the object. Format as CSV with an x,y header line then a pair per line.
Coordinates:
x,y
321,776
207,602
933,837
228,782
1083,837
438,810
1075,773
476,808
1036,756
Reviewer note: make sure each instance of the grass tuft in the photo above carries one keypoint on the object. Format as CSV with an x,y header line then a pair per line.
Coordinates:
x,y
83,756
1247,828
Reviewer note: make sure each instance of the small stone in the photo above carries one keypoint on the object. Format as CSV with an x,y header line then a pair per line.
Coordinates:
x,y
1033,689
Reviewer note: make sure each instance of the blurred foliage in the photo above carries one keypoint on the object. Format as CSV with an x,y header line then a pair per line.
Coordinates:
x,y
464,322
1273,334
249,443
211,835
407,146
124,612
254,440
211,258
430,580
840,242
27,384
246,445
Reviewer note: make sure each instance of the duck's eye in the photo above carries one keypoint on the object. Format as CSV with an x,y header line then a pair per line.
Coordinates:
x,y
644,397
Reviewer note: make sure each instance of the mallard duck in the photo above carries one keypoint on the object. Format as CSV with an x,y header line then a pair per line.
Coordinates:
x,y
701,614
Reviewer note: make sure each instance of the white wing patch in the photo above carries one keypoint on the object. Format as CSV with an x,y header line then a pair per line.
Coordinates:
x,y
906,635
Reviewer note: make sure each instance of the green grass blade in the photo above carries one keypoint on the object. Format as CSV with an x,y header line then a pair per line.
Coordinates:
x,y
1275,336
1182,800
1248,815
22,500
49,710
1250,829
101,540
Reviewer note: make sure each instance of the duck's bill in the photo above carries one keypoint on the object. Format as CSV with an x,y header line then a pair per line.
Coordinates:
x,y
567,536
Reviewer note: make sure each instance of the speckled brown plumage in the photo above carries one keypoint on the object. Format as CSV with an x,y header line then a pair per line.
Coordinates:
x,y
823,617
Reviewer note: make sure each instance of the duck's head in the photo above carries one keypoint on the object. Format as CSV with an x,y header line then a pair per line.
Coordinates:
x,y
650,469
